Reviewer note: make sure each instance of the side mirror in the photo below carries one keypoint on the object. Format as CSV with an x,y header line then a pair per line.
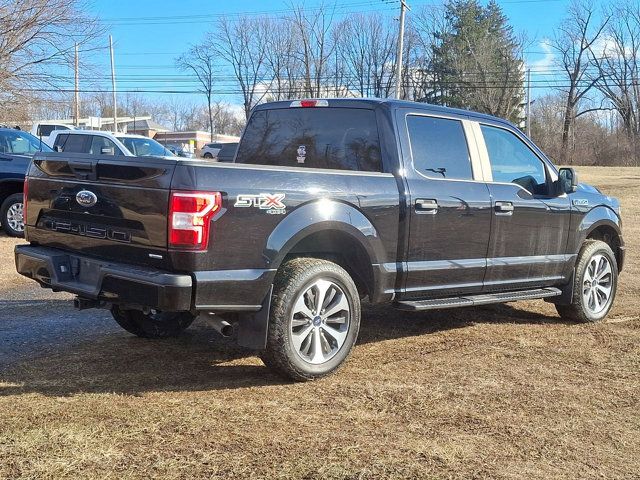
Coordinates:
x,y
107,151
567,180
57,148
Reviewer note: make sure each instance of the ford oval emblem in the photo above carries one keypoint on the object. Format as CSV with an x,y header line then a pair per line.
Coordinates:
x,y
86,198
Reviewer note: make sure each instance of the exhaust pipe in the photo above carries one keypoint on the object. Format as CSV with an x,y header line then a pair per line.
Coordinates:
x,y
221,326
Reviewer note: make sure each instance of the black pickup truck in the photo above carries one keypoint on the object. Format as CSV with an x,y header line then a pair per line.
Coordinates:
x,y
327,202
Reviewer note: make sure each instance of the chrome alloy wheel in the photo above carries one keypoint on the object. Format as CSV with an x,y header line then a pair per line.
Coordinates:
x,y
320,321
15,217
597,284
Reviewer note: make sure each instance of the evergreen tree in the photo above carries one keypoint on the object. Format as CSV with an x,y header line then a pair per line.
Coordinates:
x,y
477,60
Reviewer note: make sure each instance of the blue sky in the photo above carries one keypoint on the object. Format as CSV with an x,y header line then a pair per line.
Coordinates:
x,y
150,34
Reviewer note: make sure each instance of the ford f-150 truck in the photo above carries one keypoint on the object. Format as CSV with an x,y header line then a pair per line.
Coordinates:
x,y
328,202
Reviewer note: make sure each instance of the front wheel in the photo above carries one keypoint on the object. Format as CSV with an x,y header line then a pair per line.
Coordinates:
x,y
154,324
11,215
207,155
314,319
595,284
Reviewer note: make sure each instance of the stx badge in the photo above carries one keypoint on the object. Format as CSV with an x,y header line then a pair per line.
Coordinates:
x,y
271,202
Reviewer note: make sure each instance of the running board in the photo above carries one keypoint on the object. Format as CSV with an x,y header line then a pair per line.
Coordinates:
x,y
473,300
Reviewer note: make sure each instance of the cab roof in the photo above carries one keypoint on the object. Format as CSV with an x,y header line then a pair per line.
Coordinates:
x,y
389,103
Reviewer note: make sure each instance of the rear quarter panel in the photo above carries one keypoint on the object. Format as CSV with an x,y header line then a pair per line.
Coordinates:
x,y
362,204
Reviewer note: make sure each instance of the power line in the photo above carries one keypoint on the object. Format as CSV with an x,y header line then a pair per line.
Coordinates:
x,y
208,18
338,89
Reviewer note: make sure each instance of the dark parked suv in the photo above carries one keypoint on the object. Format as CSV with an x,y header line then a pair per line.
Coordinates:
x,y
326,203
16,149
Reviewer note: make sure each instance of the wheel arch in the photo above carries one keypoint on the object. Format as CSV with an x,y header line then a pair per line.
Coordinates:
x,y
610,234
334,231
602,223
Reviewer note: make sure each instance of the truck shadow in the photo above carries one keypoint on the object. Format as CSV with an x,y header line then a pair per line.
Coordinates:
x,y
115,362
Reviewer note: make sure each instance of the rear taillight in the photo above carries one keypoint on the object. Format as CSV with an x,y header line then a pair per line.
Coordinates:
x,y
190,218
25,194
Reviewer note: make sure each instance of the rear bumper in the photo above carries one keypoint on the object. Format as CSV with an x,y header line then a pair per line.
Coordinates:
x,y
104,280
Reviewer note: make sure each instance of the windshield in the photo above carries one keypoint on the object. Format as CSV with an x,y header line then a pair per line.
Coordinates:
x,y
145,147
21,143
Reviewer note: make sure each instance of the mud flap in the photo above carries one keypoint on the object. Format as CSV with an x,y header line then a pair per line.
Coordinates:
x,y
253,327
566,297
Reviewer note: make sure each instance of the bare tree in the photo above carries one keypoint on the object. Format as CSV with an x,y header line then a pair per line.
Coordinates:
x,y
618,64
242,43
35,37
576,35
280,66
200,60
367,48
315,51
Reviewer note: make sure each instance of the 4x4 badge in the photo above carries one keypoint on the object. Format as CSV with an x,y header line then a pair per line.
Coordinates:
x,y
581,202
273,203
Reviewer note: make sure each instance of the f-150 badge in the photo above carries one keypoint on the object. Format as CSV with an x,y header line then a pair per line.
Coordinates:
x,y
273,203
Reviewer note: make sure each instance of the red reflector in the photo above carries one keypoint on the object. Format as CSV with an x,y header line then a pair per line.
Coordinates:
x,y
184,238
189,218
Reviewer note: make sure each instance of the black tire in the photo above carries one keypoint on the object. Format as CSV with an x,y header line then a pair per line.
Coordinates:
x,y
207,155
293,279
16,200
578,310
152,325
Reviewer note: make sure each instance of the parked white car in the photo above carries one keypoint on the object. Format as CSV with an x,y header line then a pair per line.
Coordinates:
x,y
210,150
99,142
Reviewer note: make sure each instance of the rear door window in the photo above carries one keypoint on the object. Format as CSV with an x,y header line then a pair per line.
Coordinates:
x,y
72,143
332,138
439,147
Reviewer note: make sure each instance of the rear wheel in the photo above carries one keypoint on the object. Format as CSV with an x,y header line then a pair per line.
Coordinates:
x,y
154,324
11,215
595,284
314,319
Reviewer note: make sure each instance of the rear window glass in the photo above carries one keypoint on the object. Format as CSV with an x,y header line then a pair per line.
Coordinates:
x,y
439,147
335,138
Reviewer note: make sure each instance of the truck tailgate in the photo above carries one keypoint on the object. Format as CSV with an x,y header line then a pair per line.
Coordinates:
x,y
111,207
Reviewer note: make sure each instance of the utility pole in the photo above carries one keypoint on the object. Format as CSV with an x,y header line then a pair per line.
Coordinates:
x,y
528,111
76,106
403,8
113,87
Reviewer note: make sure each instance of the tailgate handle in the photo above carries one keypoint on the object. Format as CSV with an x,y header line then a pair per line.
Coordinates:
x,y
83,170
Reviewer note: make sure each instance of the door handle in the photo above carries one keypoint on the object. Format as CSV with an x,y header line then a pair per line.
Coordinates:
x,y
427,205
504,208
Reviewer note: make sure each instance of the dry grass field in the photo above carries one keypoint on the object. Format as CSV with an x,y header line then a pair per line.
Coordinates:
x,y
496,392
